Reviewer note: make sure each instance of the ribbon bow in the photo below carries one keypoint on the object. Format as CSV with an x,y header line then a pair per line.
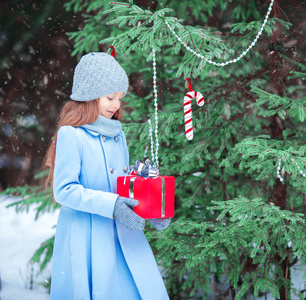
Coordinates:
x,y
146,169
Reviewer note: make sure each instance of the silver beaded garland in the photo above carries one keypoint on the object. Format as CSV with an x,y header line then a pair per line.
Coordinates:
x,y
300,171
278,171
156,116
151,140
230,61
279,168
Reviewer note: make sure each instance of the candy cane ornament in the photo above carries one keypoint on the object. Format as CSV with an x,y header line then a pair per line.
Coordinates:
x,y
113,52
187,109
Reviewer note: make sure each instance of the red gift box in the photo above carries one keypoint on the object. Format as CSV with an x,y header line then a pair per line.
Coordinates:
x,y
155,195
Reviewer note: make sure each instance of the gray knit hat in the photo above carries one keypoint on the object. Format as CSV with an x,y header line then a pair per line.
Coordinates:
x,y
98,74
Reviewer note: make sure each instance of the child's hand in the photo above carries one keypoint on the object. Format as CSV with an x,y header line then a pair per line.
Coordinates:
x,y
160,223
124,214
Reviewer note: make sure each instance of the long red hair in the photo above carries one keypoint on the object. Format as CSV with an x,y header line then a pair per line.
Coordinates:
x,y
73,113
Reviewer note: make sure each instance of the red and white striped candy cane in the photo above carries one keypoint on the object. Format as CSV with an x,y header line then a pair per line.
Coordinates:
x,y
187,109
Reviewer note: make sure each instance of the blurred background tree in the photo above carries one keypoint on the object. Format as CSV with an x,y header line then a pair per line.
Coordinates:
x,y
240,183
35,73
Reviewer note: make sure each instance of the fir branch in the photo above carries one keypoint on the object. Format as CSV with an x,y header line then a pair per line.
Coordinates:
x,y
294,59
119,3
29,195
240,86
44,253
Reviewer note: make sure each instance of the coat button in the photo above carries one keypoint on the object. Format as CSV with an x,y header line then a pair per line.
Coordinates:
x,y
103,138
125,169
111,170
116,139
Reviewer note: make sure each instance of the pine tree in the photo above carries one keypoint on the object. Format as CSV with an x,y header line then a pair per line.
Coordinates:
x,y
240,183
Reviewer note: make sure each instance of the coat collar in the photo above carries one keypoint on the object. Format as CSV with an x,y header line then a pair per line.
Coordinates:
x,y
91,131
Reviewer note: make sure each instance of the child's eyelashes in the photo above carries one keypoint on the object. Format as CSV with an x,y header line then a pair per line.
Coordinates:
x,y
112,98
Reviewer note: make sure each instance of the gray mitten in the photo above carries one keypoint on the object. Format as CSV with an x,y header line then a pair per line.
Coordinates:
x,y
160,223
123,213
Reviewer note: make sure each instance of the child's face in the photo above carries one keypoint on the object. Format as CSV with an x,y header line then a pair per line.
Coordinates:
x,y
109,104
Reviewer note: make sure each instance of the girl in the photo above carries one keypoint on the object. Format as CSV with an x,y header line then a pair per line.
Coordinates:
x,y
100,251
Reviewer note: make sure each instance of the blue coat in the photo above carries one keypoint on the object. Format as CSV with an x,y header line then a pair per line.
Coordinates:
x,y
94,256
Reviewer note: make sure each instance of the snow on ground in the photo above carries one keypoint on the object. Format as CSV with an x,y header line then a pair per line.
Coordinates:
x,y
20,237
